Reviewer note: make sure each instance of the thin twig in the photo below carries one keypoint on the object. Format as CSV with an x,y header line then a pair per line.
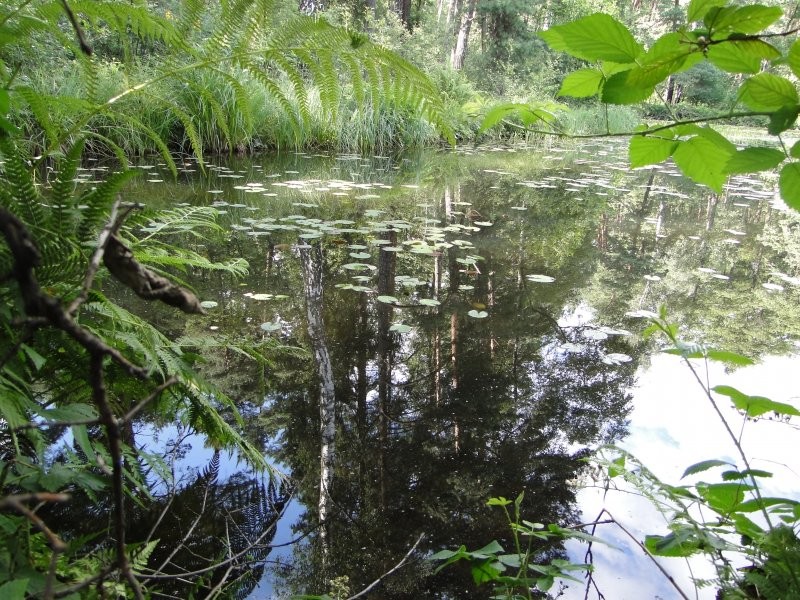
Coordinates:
x,y
395,568
96,260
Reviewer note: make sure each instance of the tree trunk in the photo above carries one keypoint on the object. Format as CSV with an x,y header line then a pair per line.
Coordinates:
x,y
311,263
403,10
460,49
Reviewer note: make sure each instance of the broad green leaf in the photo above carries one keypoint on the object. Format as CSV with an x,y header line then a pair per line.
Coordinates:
x,y
752,160
489,549
752,18
617,467
487,570
596,37
723,497
731,358
766,91
582,83
790,185
528,114
703,160
757,504
747,473
795,151
71,412
14,590
704,466
670,54
499,501
783,119
745,526
698,9
794,58
649,150
681,544
617,90
755,406
446,554
741,56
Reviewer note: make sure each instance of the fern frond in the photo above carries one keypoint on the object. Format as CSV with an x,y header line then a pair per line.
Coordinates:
x,y
98,202
62,217
274,90
180,220
22,198
162,147
181,258
125,19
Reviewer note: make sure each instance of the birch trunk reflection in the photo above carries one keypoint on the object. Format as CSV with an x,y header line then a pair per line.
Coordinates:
x,y
311,262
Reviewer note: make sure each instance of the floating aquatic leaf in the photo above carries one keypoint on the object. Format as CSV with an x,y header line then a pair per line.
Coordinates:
x,y
358,267
429,302
388,299
652,278
614,331
270,326
208,304
641,314
466,288
360,254
773,287
260,296
392,248
595,334
478,314
616,358
570,347
484,223
706,270
540,278
357,247
355,288
400,328
719,276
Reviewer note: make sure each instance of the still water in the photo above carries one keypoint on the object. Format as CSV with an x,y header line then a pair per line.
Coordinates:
x,y
480,313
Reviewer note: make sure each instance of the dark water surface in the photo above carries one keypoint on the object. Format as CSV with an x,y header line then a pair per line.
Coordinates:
x,y
480,317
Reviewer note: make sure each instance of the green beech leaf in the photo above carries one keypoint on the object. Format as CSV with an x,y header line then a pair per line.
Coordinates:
x,y
745,526
790,185
489,549
14,590
486,570
673,544
704,466
755,406
782,119
596,37
669,54
766,91
741,56
752,160
698,9
582,83
723,497
747,473
752,18
703,161
649,150
731,358
795,151
617,90
794,58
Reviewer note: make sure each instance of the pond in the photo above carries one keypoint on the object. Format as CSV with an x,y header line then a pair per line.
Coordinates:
x,y
475,317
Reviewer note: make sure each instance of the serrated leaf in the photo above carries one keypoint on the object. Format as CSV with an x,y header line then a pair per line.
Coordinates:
x,y
755,406
596,37
669,54
767,91
752,18
782,119
723,497
739,475
790,185
582,83
703,161
698,9
731,358
752,160
793,58
795,151
649,150
741,56
617,90
704,465
674,545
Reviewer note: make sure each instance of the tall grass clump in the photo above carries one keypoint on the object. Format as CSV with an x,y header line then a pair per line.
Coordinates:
x,y
587,120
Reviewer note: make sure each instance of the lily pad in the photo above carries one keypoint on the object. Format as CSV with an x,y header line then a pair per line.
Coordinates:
x,y
208,304
616,358
270,326
478,314
388,299
400,328
429,302
540,278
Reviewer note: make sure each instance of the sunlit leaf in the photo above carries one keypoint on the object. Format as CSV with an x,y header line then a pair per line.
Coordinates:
x,y
596,37
400,328
767,91
582,83
748,19
649,150
387,299
752,160
790,185
755,406
794,58
209,304
705,465
617,90
478,314
703,160
723,497
698,8
537,278
741,56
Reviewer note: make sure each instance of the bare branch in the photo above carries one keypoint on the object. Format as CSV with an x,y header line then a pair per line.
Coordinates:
x,y
395,568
